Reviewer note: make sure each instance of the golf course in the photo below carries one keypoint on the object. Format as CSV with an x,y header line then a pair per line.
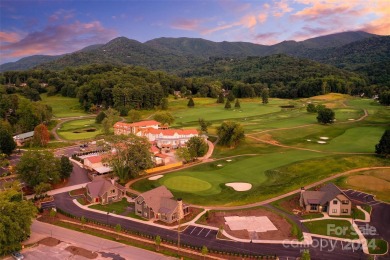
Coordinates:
x,y
284,149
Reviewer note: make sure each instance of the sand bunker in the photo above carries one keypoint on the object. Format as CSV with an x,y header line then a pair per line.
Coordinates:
x,y
308,140
324,138
153,178
351,119
229,160
219,165
239,186
251,223
321,142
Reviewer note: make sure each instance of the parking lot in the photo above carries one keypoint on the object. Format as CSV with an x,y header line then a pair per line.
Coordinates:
x,y
200,232
362,197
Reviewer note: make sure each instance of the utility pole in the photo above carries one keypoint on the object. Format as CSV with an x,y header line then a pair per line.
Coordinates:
x,y
180,215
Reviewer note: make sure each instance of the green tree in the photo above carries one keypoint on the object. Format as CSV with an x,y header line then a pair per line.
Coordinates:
x,y
230,133
311,108
41,188
35,167
134,115
191,102
7,143
41,135
320,107
221,99
157,241
237,104
325,116
383,147
205,251
305,255
197,146
83,220
118,229
231,96
131,157
164,104
204,125
100,117
228,105
66,167
164,117
112,116
15,219
384,98
265,95
183,153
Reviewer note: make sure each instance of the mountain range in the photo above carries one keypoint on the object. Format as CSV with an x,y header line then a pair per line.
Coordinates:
x,y
355,51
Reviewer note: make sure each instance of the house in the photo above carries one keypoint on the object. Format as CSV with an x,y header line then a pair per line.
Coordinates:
x,y
329,199
22,138
159,204
95,163
121,128
169,138
162,159
104,191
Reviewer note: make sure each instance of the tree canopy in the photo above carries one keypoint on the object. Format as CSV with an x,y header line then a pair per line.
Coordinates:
x,y
66,167
197,146
325,116
35,167
131,157
41,135
7,143
15,219
383,147
230,133
164,118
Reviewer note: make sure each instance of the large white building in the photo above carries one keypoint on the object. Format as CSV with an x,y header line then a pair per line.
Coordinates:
x,y
159,136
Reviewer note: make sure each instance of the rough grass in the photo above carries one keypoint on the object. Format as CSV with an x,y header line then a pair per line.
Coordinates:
x,y
63,106
375,182
377,246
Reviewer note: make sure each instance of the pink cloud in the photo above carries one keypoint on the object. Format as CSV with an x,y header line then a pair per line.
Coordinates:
x,y
57,39
186,24
262,17
61,15
9,37
281,7
249,21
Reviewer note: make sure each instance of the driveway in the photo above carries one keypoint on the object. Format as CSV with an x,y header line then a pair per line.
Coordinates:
x,y
64,202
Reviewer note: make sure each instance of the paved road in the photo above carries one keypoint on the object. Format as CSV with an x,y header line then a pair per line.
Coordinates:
x,y
111,249
64,202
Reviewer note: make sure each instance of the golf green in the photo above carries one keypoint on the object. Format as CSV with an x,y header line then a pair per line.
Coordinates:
x,y
186,184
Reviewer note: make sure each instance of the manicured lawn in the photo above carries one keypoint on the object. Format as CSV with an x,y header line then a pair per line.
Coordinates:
x,y
63,106
332,227
80,129
116,207
374,182
270,175
312,216
377,246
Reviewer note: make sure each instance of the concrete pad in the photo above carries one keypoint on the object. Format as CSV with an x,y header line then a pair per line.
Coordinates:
x,y
250,223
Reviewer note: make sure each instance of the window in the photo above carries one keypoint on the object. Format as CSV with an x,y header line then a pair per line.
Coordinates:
x,y
334,210
345,202
313,207
112,191
344,211
335,202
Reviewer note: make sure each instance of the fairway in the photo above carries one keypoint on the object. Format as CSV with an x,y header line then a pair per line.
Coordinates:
x,y
63,106
79,129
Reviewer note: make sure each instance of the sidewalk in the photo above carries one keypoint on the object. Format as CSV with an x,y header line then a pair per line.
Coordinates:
x,y
61,190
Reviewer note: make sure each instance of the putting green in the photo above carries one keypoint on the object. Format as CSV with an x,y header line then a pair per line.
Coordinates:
x,y
186,184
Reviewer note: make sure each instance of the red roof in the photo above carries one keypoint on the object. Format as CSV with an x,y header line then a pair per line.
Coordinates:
x,y
173,131
154,149
162,155
94,159
122,125
145,123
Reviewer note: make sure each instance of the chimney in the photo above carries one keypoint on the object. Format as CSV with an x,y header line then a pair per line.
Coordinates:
x,y
301,197
113,181
180,213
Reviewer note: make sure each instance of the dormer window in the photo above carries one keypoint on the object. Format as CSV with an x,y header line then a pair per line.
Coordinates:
x,y
335,202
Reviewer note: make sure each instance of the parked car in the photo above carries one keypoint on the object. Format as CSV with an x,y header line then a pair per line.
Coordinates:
x,y
17,256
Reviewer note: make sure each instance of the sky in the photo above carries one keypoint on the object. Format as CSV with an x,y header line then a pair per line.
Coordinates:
x,y
52,27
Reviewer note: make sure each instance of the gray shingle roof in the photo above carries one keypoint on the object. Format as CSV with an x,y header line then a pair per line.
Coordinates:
x,y
154,198
98,187
24,135
323,195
